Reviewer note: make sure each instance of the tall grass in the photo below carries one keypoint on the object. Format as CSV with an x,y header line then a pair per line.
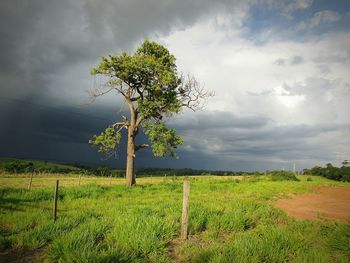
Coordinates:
x,y
230,221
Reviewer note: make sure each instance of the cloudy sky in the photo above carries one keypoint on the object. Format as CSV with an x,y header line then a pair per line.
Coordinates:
x,y
279,69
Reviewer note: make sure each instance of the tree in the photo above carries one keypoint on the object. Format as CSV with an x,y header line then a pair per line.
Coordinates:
x,y
152,88
345,163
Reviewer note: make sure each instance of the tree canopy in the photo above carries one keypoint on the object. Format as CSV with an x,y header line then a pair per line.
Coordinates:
x,y
153,89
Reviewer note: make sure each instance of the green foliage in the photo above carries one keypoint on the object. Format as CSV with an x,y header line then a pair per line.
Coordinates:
x,y
150,84
25,166
163,139
151,73
107,141
345,163
15,166
283,176
331,172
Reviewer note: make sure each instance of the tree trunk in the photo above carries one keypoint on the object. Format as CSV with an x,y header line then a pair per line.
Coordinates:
x,y
130,159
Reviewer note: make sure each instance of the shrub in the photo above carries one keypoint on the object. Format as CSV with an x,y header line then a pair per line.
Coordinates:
x,y
309,179
331,172
283,176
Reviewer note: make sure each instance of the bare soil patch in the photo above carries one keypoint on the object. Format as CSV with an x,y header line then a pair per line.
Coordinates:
x,y
323,203
22,255
171,249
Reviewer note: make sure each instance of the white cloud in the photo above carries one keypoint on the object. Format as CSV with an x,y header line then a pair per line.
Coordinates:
x,y
298,4
247,81
319,18
287,7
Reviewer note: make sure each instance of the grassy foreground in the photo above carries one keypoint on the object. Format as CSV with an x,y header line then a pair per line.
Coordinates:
x,y
103,221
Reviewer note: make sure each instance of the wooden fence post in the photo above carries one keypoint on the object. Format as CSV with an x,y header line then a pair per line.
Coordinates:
x,y
55,202
110,179
185,206
79,179
30,182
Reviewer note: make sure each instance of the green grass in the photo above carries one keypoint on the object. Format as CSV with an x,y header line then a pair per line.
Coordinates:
x,y
230,221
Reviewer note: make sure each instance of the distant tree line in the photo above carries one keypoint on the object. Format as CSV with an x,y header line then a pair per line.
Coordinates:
x,y
331,172
184,172
15,166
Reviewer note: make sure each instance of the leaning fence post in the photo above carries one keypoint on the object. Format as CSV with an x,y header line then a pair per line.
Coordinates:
x,y
30,181
55,202
185,206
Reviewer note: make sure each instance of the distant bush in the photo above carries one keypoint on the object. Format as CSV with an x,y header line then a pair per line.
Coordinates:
x,y
283,176
331,172
16,166
309,179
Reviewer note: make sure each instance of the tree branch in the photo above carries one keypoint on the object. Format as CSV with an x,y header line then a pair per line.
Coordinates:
x,y
97,92
191,94
138,121
118,126
141,146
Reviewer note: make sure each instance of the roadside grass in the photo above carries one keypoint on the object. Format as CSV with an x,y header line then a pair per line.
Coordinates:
x,y
230,221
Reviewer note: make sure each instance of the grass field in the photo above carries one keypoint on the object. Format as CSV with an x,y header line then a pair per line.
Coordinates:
x,y
103,221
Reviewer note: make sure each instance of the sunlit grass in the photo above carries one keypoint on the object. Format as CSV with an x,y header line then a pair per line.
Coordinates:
x,y
104,221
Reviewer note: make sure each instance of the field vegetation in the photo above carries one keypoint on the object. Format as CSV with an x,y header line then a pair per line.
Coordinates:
x,y
232,219
332,172
20,166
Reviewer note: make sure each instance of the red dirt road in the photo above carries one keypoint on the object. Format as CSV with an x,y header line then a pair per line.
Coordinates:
x,y
324,203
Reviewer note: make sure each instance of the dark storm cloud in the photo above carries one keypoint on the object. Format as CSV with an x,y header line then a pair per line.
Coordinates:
x,y
32,122
48,47
40,38
46,50
234,140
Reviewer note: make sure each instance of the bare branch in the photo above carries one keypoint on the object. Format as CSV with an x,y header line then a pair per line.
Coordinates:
x,y
192,94
99,91
125,118
141,146
109,155
123,87
118,126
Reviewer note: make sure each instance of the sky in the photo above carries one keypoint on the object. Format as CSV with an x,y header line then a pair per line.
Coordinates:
x,y
279,71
